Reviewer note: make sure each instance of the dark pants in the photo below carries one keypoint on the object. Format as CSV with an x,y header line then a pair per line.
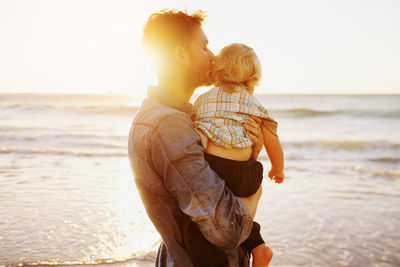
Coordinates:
x,y
243,178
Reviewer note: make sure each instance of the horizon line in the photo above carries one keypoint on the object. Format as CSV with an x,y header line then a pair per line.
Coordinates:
x,y
140,95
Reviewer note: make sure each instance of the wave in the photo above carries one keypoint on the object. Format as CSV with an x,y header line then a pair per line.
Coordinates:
x,y
131,109
386,159
56,136
375,171
115,146
110,109
71,141
134,259
65,151
7,133
96,109
394,174
11,128
305,112
350,145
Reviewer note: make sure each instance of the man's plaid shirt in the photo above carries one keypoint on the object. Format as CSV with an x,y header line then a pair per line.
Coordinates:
x,y
220,116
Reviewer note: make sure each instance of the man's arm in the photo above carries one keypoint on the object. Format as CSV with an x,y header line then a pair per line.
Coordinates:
x,y
178,157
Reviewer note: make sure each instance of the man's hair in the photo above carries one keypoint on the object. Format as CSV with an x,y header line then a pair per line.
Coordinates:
x,y
237,65
168,29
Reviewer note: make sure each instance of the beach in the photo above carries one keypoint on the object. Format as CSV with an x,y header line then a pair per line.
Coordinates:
x,y
67,194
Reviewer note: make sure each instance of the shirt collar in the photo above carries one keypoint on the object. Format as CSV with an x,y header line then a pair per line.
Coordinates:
x,y
170,99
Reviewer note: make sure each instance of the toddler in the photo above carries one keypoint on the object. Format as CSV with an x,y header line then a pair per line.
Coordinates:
x,y
220,117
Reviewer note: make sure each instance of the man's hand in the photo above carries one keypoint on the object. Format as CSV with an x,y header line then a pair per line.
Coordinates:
x,y
252,201
255,134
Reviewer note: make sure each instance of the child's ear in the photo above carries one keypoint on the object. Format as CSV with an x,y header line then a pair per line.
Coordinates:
x,y
218,75
251,84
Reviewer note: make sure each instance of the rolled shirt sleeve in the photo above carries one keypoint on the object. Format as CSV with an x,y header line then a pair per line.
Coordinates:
x,y
178,157
271,124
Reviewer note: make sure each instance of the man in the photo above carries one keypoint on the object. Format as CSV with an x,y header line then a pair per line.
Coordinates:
x,y
174,180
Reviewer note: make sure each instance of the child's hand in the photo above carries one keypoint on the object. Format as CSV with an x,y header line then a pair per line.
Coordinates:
x,y
278,177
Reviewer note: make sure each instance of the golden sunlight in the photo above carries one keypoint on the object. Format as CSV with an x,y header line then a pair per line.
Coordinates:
x,y
133,229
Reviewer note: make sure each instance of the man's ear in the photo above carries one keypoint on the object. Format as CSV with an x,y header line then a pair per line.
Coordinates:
x,y
182,55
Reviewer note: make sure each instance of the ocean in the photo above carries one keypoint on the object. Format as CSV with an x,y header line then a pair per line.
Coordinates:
x,y
67,194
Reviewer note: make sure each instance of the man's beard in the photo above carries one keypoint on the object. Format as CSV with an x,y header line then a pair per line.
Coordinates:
x,y
197,76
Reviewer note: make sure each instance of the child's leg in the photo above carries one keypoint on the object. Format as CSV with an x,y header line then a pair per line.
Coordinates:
x,y
244,178
254,238
262,255
255,244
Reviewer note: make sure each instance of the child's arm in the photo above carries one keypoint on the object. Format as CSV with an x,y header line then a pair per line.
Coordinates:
x,y
275,154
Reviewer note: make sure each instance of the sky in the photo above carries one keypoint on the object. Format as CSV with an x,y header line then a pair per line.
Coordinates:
x,y
308,46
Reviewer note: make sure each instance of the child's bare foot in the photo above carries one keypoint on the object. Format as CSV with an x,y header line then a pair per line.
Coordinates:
x,y
262,255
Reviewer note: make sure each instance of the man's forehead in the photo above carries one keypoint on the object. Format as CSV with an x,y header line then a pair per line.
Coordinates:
x,y
201,36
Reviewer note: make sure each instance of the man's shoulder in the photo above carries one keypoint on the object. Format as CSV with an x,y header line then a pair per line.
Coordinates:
x,y
152,113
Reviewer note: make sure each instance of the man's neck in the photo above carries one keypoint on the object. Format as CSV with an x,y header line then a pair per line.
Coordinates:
x,y
178,87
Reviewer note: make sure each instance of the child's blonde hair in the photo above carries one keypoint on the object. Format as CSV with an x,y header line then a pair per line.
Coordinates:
x,y
237,65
